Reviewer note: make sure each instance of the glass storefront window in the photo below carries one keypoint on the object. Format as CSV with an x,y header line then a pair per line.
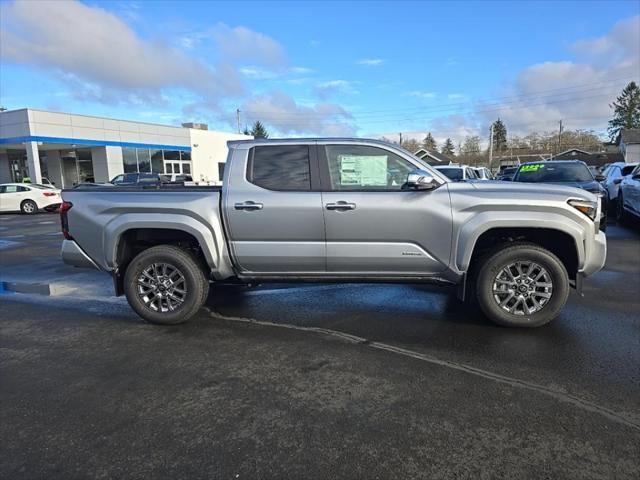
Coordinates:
x,y
144,160
171,155
129,160
186,167
157,165
185,156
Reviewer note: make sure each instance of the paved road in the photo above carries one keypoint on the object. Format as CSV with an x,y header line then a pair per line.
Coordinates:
x,y
351,381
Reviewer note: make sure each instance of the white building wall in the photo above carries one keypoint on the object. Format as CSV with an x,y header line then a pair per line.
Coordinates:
x,y
208,149
632,153
67,125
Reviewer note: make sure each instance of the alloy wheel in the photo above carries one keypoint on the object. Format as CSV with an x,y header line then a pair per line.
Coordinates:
x,y
522,288
162,287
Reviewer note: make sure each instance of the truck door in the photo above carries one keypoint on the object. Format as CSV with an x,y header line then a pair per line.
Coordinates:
x,y
274,210
375,227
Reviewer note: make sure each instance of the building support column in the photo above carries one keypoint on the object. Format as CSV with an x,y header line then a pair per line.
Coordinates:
x,y
33,162
54,167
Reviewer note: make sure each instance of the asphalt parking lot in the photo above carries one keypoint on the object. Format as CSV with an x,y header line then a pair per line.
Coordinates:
x,y
324,381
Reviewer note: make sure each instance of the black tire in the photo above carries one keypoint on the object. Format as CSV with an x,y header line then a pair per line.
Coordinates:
x,y
491,266
190,274
29,207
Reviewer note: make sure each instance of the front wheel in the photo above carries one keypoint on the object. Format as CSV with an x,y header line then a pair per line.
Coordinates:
x,y
522,285
165,285
28,207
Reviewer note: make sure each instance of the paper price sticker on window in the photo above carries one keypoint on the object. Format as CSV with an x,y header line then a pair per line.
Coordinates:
x,y
532,168
363,170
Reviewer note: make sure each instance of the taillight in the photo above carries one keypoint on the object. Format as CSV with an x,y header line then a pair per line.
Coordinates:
x,y
49,194
64,222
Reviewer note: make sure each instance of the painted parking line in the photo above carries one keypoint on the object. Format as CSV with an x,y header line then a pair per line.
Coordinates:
x,y
48,222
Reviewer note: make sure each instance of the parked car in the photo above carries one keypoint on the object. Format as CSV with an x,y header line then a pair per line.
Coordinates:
x,y
507,174
483,173
133,179
333,210
613,175
629,196
28,198
457,173
572,173
176,177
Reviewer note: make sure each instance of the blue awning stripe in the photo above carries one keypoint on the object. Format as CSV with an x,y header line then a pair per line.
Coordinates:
x,y
96,143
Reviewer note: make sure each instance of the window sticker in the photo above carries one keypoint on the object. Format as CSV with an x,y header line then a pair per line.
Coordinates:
x,y
532,168
356,170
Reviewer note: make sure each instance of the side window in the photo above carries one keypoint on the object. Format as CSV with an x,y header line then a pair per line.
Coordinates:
x,y
280,167
130,178
3,189
360,167
11,189
22,189
118,179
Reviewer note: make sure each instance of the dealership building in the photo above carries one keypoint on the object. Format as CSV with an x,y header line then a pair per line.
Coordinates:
x,y
69,149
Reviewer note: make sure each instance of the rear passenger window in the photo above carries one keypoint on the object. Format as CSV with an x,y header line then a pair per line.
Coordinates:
x,y
281,167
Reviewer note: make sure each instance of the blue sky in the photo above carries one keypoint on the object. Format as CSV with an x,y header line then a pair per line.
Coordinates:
x,y
327,68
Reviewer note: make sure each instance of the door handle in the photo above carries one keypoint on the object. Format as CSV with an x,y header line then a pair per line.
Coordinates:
x,y
341,206
248,206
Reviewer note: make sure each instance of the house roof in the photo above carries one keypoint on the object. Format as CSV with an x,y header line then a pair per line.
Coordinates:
x,y
433,154
630,135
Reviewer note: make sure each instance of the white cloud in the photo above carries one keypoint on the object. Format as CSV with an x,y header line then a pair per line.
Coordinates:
x,y
240,43
456,96
288,117
423,95
371,62
301,70
102,51
324,90
578,91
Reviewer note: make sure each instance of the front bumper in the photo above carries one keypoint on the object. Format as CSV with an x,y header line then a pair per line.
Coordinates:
x,y
72,254
595,254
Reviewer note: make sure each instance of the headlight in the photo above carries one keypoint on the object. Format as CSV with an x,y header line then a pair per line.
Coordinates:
x,y
590,209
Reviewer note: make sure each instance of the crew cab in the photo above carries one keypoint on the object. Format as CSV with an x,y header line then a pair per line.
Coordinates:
x,y
337,210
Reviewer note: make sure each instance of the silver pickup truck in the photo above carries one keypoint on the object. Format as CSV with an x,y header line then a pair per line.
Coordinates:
x,y
337,210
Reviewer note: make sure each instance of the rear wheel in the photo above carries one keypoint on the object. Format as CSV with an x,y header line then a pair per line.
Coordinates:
x,y
522,285
28,207
165,285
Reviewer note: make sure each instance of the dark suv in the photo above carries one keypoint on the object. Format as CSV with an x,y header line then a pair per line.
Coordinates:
x,y
572,173
133,179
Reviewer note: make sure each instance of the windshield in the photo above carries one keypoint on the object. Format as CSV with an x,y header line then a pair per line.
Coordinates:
x,y
550,172
451,173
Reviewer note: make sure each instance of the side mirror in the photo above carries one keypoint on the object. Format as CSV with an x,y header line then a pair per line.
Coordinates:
x,y
600,178
421,180
636,176
618,180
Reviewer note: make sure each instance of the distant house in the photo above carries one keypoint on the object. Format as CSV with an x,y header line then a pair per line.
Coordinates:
x,y
596,159
630,144
433,157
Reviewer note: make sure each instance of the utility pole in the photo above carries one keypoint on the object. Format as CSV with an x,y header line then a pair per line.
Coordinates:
x,y
560,137
400,138
490,146
238,118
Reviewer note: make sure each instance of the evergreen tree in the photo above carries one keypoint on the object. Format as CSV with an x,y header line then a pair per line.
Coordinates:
x,y
448,148
626,110
246,131
429,143
258,130
499,136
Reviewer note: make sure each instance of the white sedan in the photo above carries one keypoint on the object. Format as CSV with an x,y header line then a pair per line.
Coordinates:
x,y
28,197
